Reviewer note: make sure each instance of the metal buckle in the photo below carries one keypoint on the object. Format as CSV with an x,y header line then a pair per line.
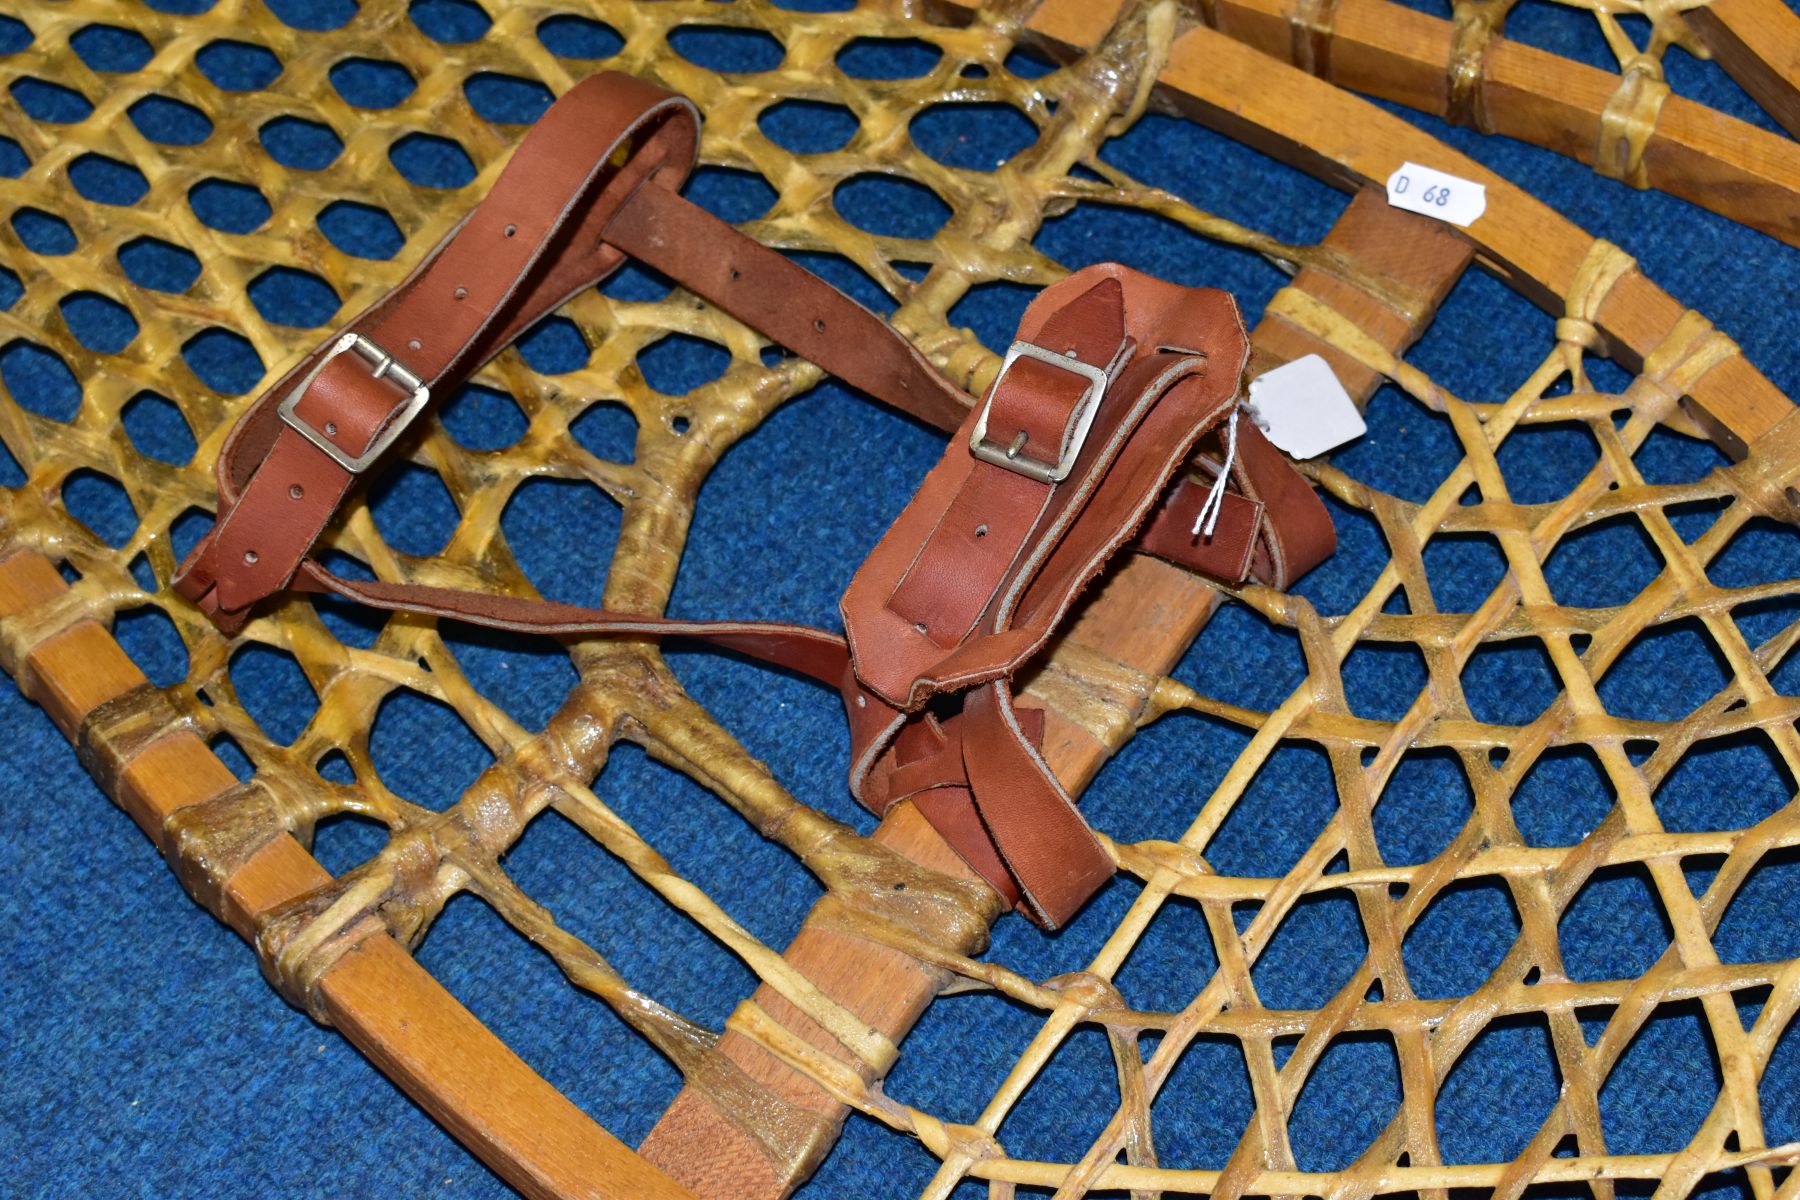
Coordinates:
x,y
382,365
1009,456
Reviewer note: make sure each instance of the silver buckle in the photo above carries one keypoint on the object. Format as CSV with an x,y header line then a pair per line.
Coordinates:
x,y
1008,456
382,365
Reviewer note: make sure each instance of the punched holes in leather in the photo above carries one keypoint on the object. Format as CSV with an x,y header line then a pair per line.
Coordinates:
x,y
1101,433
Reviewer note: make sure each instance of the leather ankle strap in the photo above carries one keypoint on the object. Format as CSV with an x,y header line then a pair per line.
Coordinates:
x,y
1118,384
1115,379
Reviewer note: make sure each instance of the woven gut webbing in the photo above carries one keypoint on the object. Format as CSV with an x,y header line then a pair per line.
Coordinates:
x,y
1422,875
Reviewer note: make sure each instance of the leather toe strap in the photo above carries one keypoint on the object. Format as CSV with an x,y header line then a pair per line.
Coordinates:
x,y
1117,381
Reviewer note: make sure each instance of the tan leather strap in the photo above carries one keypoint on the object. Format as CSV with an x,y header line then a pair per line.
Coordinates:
x,y
594,178
983,565
1118,384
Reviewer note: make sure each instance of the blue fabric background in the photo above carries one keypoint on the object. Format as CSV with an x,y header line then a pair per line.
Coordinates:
x,y
144,1055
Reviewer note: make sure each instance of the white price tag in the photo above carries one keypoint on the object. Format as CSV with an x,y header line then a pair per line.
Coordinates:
x,y
1303,408
1436,194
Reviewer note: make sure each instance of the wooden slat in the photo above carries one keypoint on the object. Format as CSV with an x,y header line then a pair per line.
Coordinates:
x,y
1723,164
27,581
1758,44
168,775
427,1042
77,670
1143,618
383,1001
1314,126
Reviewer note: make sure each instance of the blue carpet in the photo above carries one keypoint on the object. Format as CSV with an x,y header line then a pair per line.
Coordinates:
x,y
143,1054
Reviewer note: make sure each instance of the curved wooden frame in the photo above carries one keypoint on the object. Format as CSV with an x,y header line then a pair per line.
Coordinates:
x,y
397,1015
1733,168
378,996
1742,34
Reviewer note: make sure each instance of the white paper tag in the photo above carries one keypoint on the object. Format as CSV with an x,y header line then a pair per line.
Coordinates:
x,y
1436,194
1303,408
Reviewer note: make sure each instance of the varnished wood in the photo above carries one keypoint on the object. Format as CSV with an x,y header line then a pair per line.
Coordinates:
x,y
709,1153
26,581
281,871
170,774
1310,124
79,669
1758,43
466,1078
1723,164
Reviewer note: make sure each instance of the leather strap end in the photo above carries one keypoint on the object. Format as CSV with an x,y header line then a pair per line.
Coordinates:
x,y
1227,555
203,593
1050,852
1300,534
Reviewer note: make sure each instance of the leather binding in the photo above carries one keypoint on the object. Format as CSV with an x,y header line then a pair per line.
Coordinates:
x,y
1107,428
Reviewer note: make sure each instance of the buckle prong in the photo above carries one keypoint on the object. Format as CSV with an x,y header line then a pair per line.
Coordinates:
x,y
382,365
1012,456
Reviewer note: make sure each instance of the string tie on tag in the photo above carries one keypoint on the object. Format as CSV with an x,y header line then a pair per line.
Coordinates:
x,y
1215,499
